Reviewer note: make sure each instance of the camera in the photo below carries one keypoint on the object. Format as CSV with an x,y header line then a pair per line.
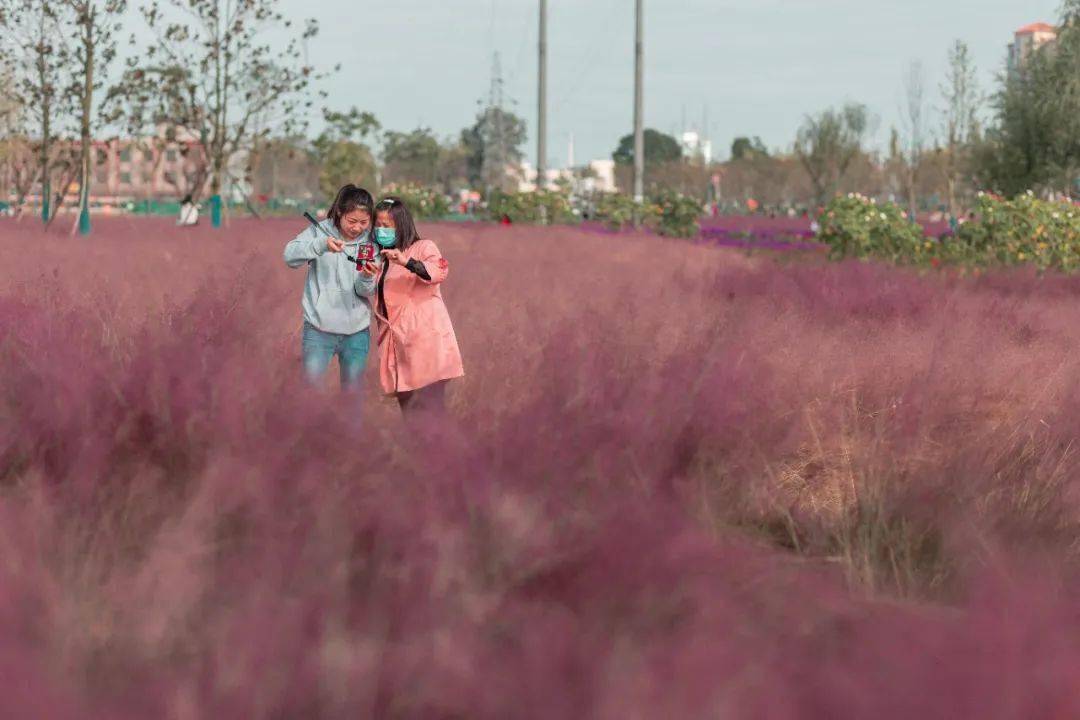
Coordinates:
x,y
365,253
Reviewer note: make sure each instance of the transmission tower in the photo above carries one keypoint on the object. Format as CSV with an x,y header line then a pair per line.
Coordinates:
x,y
494,135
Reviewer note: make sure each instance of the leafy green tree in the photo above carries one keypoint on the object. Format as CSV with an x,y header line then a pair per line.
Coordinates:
x,y
345,162
660,148
453,169
493,146
343,155
1034,143
827,144
743,148
354,125
411,157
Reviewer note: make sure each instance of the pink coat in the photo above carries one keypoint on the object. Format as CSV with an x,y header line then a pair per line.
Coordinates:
x,y
418,347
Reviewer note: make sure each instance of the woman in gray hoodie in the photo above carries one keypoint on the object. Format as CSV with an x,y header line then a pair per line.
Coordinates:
x,y
336,315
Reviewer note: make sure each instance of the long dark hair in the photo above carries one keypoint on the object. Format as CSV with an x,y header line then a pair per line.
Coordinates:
x,y
351,198
405,228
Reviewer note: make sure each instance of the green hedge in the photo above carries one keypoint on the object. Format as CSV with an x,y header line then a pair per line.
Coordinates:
x,y
1023,230
677,215
856,226
552,206
1003,232
424,203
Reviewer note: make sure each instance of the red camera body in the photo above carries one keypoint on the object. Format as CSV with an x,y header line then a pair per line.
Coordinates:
x,y
365,253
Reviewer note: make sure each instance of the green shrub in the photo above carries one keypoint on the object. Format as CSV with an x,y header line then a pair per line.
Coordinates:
x,y
1003,232
677,215
616,210
1023,230
857,226
424,203
552,206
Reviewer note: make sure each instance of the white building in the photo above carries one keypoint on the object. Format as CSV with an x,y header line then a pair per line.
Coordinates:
x,y
527,174
601,177
597,176
696,147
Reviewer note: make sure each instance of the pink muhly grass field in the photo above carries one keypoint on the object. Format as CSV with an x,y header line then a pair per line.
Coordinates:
x,y
677,482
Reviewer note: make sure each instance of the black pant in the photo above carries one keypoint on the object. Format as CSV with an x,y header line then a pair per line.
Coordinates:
x,y
428,399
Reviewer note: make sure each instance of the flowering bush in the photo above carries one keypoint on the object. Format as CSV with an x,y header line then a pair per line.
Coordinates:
x,y
1003,232
552,206
856,226
1023,230
616,210
669,213
677,215
425,203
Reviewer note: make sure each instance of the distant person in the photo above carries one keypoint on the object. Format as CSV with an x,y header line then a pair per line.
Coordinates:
x,y
189,212
418,351
336,309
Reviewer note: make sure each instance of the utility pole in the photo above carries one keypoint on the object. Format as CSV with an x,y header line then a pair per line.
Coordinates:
x,y
541,123
639,107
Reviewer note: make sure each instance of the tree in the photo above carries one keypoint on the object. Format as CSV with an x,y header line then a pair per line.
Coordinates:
x,y
96,21
493,145
744,148
353,125
960,92
346,162
343,155
18,159
659,149
914,121
411,157
210,78
452,172
1034,143
36,52
284,167
827,143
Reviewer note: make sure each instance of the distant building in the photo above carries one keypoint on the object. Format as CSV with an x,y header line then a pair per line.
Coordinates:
x,y
597,176
527,173
160,168
695,147
601,176
1027,41
133,169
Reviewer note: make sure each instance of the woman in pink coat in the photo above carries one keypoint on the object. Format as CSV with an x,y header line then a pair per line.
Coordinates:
x,y
418,351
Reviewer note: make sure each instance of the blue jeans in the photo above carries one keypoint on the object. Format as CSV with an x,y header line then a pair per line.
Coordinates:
x,y
351,350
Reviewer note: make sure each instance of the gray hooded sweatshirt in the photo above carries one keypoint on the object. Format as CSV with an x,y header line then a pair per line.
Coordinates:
x,y
336,295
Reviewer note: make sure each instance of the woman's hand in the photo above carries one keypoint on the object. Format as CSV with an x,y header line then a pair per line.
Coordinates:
x,y
334,245
395,256
368,268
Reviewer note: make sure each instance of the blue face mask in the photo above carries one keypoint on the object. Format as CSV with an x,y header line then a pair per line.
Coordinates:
x,y
386,237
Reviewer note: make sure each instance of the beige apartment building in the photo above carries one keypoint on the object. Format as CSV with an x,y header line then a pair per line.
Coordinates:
x,y
1027,40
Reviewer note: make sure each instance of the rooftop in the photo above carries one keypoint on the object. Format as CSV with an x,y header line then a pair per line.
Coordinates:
x,y
1039,27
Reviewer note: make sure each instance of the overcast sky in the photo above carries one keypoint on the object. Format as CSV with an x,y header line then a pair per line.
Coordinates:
x,y
757,66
